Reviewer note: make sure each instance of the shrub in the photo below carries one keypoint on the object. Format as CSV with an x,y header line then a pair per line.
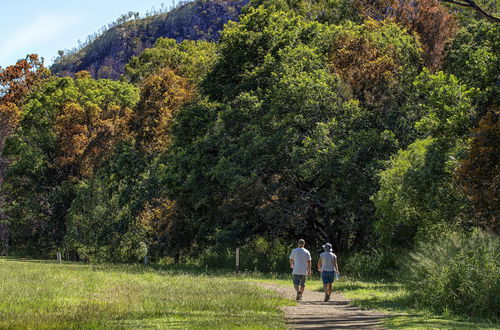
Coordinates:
x,y
371,264
458,273
257,255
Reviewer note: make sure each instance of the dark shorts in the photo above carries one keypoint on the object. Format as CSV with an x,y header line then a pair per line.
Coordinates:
x,y
299,280
327,277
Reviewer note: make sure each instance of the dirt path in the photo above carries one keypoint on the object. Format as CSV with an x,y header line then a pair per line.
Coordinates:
x,y
313,313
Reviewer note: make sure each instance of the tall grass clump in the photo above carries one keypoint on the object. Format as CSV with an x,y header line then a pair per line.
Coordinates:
x,y
457,274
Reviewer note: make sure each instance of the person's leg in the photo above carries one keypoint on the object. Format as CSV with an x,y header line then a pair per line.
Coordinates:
x,y
302,283
324,277
296,285
296,282
327,281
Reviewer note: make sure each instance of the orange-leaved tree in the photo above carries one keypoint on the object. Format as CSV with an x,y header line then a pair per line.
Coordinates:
x,y
16,80
479,173
88,130
432,22
162,95
373,58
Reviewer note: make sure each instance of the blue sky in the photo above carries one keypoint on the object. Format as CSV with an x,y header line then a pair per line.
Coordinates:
x,y
44,27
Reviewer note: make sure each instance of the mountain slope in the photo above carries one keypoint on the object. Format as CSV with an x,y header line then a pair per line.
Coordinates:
x,y
106,56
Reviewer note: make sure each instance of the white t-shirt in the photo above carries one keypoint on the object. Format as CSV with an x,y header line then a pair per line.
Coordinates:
x,y
328,261
300,258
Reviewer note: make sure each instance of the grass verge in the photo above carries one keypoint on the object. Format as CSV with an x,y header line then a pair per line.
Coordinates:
x,y
36,294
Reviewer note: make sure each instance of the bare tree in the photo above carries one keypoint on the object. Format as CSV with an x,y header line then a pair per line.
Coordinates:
x,y
473,5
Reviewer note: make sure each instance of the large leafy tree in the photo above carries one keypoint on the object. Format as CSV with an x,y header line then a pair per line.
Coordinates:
x,y
280,149
417,189
15,82
68,127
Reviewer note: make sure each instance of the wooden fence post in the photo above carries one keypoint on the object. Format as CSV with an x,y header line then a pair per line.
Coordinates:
x,y
237,259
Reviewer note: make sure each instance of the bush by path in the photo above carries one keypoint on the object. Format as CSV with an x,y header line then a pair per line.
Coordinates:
x,y
459,273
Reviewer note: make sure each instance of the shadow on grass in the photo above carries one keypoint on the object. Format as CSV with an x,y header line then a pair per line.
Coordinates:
x,y
171,269
396,304
353,287
419,321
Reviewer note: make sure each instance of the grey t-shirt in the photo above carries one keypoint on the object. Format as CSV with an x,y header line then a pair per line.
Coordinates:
x,y
300,258
328,261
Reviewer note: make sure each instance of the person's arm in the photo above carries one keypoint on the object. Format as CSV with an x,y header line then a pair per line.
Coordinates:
x,y
336,266
319,264
291,263
309,267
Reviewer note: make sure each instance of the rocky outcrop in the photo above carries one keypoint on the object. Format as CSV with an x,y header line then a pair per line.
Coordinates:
x,y
107,55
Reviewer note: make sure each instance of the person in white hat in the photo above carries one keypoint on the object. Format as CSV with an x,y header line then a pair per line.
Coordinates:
x,y
327,265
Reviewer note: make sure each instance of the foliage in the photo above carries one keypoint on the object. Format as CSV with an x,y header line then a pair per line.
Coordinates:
x,y
68,128
374,58
162,95
9,119
427,18
474,57
323,11
381,263
479,173
189,59
17,80
457,273
288,152
417,191
445,104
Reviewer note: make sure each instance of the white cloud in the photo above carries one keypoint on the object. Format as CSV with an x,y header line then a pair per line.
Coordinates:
x,y
43,29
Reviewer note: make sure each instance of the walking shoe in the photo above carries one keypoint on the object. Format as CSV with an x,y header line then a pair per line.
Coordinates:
x,y
299,296
326,298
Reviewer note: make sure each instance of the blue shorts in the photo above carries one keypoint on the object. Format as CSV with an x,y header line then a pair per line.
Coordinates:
x,y
299,280
327,277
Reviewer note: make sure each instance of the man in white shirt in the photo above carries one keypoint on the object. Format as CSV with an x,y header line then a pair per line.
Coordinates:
x,y
300,262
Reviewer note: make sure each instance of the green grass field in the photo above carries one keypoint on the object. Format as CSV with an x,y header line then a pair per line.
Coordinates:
x,y
37,294
48,295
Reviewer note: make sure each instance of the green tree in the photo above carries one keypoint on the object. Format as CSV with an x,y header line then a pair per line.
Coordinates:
x,y
474,57
417,189
285,152
189,59
68,128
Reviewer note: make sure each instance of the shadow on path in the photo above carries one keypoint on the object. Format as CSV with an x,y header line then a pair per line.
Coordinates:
x,y
313,313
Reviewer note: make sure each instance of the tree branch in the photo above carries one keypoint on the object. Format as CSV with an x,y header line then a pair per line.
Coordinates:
x,y
475,6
